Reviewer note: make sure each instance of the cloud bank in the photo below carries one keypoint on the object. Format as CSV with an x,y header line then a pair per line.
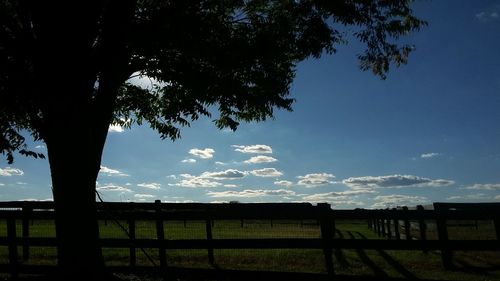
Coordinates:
x,y
391,201
250,193
313,180
223,175
283,183
394,181
260,159
266,172
9,171
256,148
152,185
112,172
486,186
113,187
206,153
429,155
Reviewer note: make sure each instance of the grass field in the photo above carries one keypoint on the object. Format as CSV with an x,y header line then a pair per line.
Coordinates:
x,y
410,264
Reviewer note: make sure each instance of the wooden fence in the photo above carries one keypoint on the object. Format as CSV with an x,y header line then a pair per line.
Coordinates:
x,y
394,224
390,223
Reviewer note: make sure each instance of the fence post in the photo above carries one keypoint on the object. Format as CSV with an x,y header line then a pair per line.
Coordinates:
x,y
160,233
422,227
327,233
496,222
446,255
377,220
382,225
27,210
396,225
131,232
210,249
13,256
373,220
407,224
388,221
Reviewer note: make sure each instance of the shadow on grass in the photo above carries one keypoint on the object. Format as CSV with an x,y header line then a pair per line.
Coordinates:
x,y
396,265
366,260
339,255
464,266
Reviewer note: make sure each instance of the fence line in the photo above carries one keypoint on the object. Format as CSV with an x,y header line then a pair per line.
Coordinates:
x,y
387,223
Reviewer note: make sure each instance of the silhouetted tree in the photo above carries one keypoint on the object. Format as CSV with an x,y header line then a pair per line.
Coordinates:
x,y
65,65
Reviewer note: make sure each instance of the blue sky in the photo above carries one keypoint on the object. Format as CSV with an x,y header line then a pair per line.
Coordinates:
x,y
430,132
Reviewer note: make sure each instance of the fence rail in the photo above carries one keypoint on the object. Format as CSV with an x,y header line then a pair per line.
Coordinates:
x,y
394,224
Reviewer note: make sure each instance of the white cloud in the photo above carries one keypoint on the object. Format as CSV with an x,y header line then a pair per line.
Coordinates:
x,y
21,183
469,197
196,182
283,183
113,187
230,185
178,201
112,172
429,155
206,153
391,201
257,148
144,81
336,195
208,179
488,15
115,129
487,186
266,172
260,159
249,193
220,163
223,175
36,200
2,184
394,181
140,195
8,172
313,180
152,185
331,196
172,177
190,160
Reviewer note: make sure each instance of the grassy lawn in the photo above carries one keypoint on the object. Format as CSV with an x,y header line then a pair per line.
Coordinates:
x,y
410,264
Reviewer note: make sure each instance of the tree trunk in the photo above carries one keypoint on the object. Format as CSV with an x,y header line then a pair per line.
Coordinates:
x,y
73,185
76,119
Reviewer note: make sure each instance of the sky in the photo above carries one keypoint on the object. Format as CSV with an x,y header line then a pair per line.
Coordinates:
x,y
428,133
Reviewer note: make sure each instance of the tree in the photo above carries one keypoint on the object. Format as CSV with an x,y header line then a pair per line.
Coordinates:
x,y
64,70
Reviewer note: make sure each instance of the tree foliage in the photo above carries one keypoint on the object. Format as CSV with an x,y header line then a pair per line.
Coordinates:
x,y
236,56
65,68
